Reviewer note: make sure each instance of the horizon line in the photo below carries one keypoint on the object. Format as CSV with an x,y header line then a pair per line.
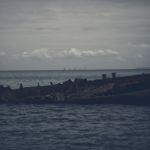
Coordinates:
x,y
141,68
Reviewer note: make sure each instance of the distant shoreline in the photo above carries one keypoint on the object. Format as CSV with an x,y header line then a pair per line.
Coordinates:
x,y
126,69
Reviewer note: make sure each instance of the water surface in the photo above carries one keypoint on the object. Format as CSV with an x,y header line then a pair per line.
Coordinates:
x,y
74,127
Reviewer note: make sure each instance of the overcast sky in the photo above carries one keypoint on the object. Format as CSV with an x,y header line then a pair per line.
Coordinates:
x,y
81,34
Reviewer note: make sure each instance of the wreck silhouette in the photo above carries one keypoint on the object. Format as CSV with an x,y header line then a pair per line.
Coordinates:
x,y
133,90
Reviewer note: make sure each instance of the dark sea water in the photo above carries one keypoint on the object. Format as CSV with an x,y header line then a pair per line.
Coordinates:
x,y
68,126
74,127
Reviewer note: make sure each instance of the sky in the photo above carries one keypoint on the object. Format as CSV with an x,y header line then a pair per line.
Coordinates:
x,y
74,34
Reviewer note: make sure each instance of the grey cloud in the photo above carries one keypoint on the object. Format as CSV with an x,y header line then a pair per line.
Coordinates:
x,y
125,2
140,45
86,24
2,53
140,56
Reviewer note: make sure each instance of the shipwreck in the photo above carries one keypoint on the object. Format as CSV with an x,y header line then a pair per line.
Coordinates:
x,y
133,90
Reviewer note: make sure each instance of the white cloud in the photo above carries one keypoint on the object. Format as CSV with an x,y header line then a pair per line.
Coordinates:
x,y
81,53
73,52
39,53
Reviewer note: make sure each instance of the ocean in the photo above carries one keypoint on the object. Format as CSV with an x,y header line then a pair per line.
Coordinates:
x,y
71,126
